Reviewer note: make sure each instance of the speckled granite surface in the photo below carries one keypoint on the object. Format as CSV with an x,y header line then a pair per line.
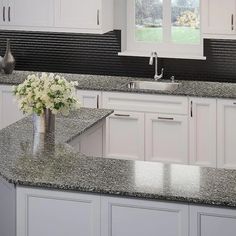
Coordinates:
x,y
60,167
118,84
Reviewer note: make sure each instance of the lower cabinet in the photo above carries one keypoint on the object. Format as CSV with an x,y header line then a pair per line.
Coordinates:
x,y
50,212
226,135
202,135
128,217
54,213
166,138
9,110
92,142
125,135
89,99
211,221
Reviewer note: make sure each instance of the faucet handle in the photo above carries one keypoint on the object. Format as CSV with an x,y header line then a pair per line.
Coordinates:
x,y
172,79
162,72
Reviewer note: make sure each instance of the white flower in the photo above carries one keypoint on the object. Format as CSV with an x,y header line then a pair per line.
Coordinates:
x,y
46,91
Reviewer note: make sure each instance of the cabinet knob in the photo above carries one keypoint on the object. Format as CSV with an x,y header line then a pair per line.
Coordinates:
x,y
9,14
232,22
4,13
122,115
97,101
98,17
166,118
191,109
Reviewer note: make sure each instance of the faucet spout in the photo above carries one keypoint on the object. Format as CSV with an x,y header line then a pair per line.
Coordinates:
x,y
156,76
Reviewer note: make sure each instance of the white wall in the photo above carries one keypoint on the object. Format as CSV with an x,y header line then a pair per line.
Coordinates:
x,y
120,19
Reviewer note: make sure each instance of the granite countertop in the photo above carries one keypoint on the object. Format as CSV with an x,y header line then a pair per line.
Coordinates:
x,y
118,84
61,167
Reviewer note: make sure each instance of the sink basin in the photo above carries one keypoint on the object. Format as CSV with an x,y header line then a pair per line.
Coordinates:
x,y
149,85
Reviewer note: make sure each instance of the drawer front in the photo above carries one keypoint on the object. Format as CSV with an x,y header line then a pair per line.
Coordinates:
x,y
145,103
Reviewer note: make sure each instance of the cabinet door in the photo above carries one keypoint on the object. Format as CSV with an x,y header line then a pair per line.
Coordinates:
x,y
125,136
166,138
89,99
226,135
9,110
48,213
4,6
218,16
38,13
128,217
203,132
209,221
78,14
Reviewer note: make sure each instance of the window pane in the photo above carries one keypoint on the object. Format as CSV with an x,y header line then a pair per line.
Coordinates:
x,y
148,20
185,21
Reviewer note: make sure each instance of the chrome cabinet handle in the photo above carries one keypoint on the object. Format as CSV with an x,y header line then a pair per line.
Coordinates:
x,y
9,14
98,17
122,115
191,109
4,15
97,101
165,118
232,22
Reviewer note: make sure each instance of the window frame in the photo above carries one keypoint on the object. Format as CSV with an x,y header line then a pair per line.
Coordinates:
x,y
166,48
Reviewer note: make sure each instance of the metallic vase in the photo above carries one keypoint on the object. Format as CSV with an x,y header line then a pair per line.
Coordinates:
x,y
8,61
44,123
44,134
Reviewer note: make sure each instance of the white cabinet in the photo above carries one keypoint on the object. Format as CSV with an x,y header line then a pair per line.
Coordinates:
x,y
89,15
38,13
27,13
226,135
4,12
9,110
202,127
127,132
128,217
92,142
219,17
210,221
77,16
125,135
41,212
89,99
166,138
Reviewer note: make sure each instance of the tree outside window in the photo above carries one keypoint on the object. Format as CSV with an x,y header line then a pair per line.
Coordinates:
x,y
185,21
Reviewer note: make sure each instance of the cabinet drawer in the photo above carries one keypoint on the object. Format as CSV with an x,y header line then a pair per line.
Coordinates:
x,y
211,221
146,103
166,138
129,217
125,135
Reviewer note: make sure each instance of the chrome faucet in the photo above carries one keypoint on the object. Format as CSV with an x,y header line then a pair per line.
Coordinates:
x,y
156,76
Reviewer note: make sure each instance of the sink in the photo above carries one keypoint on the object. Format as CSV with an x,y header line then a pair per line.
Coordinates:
x,y
153,85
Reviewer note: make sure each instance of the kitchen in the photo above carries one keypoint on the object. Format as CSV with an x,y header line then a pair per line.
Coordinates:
x,y
152,149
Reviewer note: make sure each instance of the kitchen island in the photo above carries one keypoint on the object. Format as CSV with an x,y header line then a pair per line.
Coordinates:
x,y
61,191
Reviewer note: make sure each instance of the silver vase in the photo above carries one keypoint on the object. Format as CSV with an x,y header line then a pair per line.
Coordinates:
x,y
8,61
44,123
44,134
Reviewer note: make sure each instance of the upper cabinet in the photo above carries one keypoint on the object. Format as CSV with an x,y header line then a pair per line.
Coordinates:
x,y
38,13
27,13
79,16
218,18
89,15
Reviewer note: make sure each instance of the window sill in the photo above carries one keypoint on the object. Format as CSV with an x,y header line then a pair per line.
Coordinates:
x,y
162,55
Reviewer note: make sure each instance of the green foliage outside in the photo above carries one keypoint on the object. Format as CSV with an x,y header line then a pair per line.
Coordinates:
x,y
179,34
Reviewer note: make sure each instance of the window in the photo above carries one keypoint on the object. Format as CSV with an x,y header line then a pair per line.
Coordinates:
x,y
170,27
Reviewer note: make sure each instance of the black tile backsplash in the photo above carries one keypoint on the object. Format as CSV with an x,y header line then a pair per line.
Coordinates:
x,y
97,54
